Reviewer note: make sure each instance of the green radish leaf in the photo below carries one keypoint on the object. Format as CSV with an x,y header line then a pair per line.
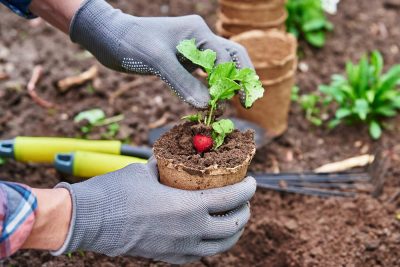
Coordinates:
x,y
221,128
205,59
93,116
223,89
251,85
375,130
224,70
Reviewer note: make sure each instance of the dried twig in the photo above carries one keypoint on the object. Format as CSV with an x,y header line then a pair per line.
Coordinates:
x,y
128,86
79,79
359,161
36,74
160,122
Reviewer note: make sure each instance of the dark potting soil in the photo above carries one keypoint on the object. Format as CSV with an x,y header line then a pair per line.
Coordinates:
x,y
177,145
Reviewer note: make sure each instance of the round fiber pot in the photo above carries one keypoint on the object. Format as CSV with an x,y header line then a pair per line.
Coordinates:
x,y
175,171
249,13
271,111
228,28
273,52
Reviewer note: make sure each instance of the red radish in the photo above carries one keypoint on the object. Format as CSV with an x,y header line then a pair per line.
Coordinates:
x,y
202,143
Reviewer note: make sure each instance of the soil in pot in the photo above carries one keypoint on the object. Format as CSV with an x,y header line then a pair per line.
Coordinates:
x,y
180,166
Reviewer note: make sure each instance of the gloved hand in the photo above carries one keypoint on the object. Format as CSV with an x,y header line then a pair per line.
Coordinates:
x,y
148,45
128,212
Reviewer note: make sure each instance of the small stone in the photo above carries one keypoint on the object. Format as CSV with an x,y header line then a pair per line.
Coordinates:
x,y
358,144
64,116
303,67
291,224
394,49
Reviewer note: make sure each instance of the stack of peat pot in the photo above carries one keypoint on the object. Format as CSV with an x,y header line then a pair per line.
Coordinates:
x,y
238,16
274,57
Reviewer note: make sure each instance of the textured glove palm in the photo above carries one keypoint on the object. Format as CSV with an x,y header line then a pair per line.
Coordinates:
x,y
148,45
128,212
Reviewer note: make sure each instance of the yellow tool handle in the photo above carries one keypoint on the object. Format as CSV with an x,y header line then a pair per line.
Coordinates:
x,y
44,149
89,164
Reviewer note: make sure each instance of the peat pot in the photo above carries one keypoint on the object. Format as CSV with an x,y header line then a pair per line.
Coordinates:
x,y
179,175
273,52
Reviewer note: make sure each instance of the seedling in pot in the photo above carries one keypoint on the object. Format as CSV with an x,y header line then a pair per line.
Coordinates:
x,y
225,80
197,154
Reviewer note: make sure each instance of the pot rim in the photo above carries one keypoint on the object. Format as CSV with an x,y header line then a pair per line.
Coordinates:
x,y
252,6
283,78
211,170
225,20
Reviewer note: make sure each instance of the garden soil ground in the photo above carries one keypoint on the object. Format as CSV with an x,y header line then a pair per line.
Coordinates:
x,y
284,230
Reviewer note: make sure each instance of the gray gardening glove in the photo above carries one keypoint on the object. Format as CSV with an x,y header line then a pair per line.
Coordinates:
x,y
128,212
148,45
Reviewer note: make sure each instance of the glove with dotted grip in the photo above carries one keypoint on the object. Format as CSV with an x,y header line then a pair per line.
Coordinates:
x,y
147,45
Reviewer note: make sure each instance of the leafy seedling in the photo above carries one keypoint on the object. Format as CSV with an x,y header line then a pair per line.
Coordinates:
x,y
365,94
310,104
97,118
225,80
307,19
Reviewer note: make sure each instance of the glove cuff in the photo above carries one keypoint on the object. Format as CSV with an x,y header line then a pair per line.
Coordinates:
x,y
64,247
98,27
98,218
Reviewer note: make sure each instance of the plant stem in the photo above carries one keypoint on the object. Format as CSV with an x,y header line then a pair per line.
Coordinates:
x,y
210,115
107,121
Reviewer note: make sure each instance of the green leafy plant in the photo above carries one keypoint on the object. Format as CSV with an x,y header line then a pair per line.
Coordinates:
x,y
97,118
365,94
307,19
224,80
310,104
2,161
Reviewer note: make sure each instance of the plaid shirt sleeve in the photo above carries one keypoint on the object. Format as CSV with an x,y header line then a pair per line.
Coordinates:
x,y
17,215
19,7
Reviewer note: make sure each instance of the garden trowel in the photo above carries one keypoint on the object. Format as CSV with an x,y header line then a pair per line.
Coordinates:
x,y
43,149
